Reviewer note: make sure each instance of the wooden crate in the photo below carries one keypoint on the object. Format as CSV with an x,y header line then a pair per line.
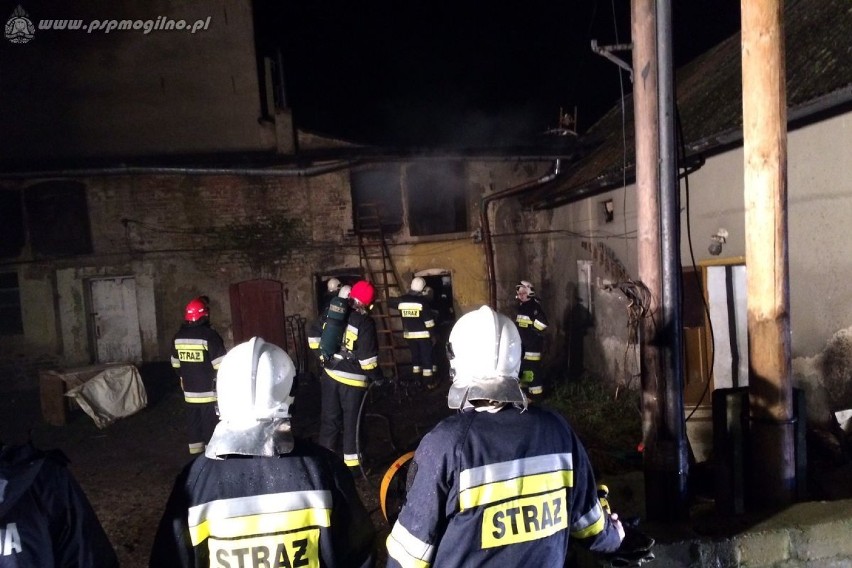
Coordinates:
x,y
53,384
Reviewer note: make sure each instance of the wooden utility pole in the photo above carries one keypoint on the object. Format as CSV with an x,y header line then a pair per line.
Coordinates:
x,y
765,165
662,409
643,23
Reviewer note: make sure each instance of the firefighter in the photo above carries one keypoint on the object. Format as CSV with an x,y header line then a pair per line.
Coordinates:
x,y
499,483
258,496
531,321
347,374
332,290
418,322
196,353
45,518
319,335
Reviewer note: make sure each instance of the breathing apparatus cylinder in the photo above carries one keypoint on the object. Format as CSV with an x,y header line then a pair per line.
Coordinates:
x,y
334,327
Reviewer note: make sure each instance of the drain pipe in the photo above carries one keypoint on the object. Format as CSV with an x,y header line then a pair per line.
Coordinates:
x,y
188,171
486,231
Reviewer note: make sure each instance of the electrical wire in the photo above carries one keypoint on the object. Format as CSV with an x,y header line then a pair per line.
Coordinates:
x,y
623,133
682,156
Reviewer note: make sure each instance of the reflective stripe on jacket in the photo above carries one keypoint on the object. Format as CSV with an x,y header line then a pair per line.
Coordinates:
x,y
357,362
296,509
416,313
197,352
499,489
531,322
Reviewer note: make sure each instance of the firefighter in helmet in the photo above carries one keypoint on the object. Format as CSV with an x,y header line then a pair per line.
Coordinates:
x,y
418,323
499,483
197,350
531,321
347,374
332,290
258,496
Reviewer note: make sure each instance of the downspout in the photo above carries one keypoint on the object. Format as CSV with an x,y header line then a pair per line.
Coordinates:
x,y
486,231
190,171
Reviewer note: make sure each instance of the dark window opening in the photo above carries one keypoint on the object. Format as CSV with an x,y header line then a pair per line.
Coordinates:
x,y
346,276
58,219
376,191
437,198
11,320
12,237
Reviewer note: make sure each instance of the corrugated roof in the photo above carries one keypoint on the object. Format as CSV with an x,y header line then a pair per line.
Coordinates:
x,y
818,40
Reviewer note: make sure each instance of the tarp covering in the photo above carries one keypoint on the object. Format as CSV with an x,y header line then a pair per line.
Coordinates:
x,y
113,393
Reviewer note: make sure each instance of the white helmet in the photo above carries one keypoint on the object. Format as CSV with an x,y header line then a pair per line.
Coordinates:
x,y
525,286
418,284
484,351
253,387
333,285
344,291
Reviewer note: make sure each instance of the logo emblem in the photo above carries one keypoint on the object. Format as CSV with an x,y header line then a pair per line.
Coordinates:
x,y
19,27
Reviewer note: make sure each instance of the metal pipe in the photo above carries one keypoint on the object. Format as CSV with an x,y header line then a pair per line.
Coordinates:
x,y
672,447
486,231
142,170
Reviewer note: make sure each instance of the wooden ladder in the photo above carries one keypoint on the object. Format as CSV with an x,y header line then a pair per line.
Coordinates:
x,y
378,267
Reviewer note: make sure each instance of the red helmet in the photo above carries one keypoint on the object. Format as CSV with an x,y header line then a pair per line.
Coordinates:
x,y
195,310
364,292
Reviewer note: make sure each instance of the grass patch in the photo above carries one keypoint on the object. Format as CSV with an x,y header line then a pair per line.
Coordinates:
x,y
609,423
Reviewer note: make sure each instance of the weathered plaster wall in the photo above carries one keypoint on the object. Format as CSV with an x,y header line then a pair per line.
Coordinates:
x,y
819,181
462,257
181,237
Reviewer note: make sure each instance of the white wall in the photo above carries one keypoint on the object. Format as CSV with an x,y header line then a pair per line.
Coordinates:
x,y
819,186
819,181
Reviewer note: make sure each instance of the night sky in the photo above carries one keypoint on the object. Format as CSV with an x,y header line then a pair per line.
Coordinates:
x,y
463,74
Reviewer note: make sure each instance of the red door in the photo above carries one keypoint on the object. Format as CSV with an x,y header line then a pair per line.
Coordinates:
x,y
257,309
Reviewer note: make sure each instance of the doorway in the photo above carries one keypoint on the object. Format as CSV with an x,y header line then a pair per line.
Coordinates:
x,y
440,282
257,309
715,342
114,320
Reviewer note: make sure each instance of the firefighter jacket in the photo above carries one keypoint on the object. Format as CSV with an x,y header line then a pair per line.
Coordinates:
x,y
417,317
45,518
531,322
295,509
357,361
499,489
197,351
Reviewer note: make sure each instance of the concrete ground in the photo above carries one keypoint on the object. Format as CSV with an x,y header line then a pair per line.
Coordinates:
x,y
813,534
127,470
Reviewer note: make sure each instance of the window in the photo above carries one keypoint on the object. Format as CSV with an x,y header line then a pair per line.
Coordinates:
x,y
437,198
376,190
11,224
11,322
58,219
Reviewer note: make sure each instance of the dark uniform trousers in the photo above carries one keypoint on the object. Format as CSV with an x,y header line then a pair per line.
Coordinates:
x,y
340,407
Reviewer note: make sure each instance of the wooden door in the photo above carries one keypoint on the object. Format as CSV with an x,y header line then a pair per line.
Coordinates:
x,y
115,320
257,309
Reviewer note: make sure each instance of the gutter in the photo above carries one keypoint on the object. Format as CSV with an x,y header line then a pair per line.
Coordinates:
x,y
486,231
189,171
